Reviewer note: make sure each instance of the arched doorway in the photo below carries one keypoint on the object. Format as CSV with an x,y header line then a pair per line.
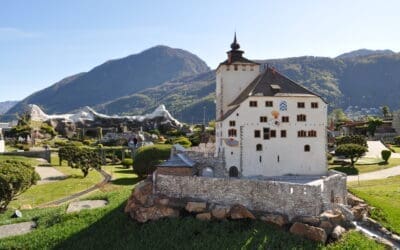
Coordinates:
x,y
233,172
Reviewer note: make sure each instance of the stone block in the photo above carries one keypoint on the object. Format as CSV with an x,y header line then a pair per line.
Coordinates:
x,y
327,226
203,216
353,200
310,220
240,212
309,232
142,191
144,214
276,219
337,232
334,217
220,213
196,207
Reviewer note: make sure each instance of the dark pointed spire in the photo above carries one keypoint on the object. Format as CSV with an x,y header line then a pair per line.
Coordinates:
x,y
235,45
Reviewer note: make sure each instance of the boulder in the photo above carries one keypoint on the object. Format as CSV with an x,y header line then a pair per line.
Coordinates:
x,y
220,213
334,217
353,200
203,216
337,232
359,211
327,226
309,232
142,191
196,207
143,214
310,220
276,219
240,212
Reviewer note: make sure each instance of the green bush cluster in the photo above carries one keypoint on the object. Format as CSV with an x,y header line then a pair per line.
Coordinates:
x,y
127,163
15,178
351,151
48,129
185,142
146,158
195,139
80,157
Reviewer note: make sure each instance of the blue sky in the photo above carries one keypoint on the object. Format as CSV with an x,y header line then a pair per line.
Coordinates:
x,y
42,42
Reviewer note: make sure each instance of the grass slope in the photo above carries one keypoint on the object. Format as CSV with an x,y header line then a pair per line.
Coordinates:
x,y
384,195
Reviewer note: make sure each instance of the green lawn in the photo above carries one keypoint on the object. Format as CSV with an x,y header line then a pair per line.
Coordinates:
x,y
110,228
383,194
395,148
32,161
366,165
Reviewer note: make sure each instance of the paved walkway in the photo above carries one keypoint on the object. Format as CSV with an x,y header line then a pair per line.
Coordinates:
x,y
375,148
16,229
49,174
380,174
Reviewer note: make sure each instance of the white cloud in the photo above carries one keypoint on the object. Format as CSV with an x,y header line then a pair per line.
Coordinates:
x,y
9,33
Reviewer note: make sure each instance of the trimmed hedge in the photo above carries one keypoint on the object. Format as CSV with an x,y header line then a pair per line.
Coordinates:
x,y
386,155
147,157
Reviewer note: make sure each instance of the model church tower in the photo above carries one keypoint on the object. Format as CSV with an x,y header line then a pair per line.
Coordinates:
x,y
267,125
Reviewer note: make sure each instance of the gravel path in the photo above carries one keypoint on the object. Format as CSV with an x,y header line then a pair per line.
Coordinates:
x,y
380,174
375,148
16,229
49,174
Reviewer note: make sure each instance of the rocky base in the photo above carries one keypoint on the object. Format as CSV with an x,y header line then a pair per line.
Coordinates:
x,y
145,206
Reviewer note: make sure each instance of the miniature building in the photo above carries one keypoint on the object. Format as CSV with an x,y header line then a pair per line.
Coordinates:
x,y
267,125
178,163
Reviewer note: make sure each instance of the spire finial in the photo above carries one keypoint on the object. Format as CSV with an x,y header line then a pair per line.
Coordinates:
x,y
235,45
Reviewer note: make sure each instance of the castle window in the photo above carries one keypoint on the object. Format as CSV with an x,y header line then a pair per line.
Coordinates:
x,y
259,147
269,104
253,103
307,148
314,105
300,105
235,67
243,67
257,133
266,133
283,133
301,133
285,118
272,133
232,123
301,118
263,119
251,68
227,68
232,132
312,133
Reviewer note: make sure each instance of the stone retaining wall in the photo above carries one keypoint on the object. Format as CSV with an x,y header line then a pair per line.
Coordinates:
x,y
286,198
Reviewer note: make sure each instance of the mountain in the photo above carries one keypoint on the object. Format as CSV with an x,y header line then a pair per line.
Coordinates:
x,y
364,52
5,106
358,79
114,79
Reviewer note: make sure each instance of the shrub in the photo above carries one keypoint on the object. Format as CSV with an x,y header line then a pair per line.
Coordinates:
x,y
397,140
147,157
127,163
185,142
329,156
354,139
80,157
351,151
195,139
15,178
47,129
87,142
386,155
346,170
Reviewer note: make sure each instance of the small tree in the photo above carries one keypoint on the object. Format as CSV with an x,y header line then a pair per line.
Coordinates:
x,y
373,123
386,155
15,178
80,157
385,111
351,151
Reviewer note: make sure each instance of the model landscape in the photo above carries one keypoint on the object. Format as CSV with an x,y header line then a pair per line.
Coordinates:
x,y
157,150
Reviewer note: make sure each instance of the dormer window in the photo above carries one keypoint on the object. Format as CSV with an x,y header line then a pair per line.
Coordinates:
x,y
232,123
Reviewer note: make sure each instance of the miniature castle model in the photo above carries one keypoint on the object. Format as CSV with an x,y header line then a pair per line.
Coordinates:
x,y
267,124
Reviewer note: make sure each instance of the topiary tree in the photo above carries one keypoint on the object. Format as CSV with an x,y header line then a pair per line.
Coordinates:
x,y
386,155
15,178
80,157
373,123
351,151
147,157
355,139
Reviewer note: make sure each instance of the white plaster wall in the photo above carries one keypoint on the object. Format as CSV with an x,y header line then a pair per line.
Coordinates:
x,y
292,158
2,146
231,83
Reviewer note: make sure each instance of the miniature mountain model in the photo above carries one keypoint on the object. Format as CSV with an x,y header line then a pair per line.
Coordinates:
x,y
86,117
